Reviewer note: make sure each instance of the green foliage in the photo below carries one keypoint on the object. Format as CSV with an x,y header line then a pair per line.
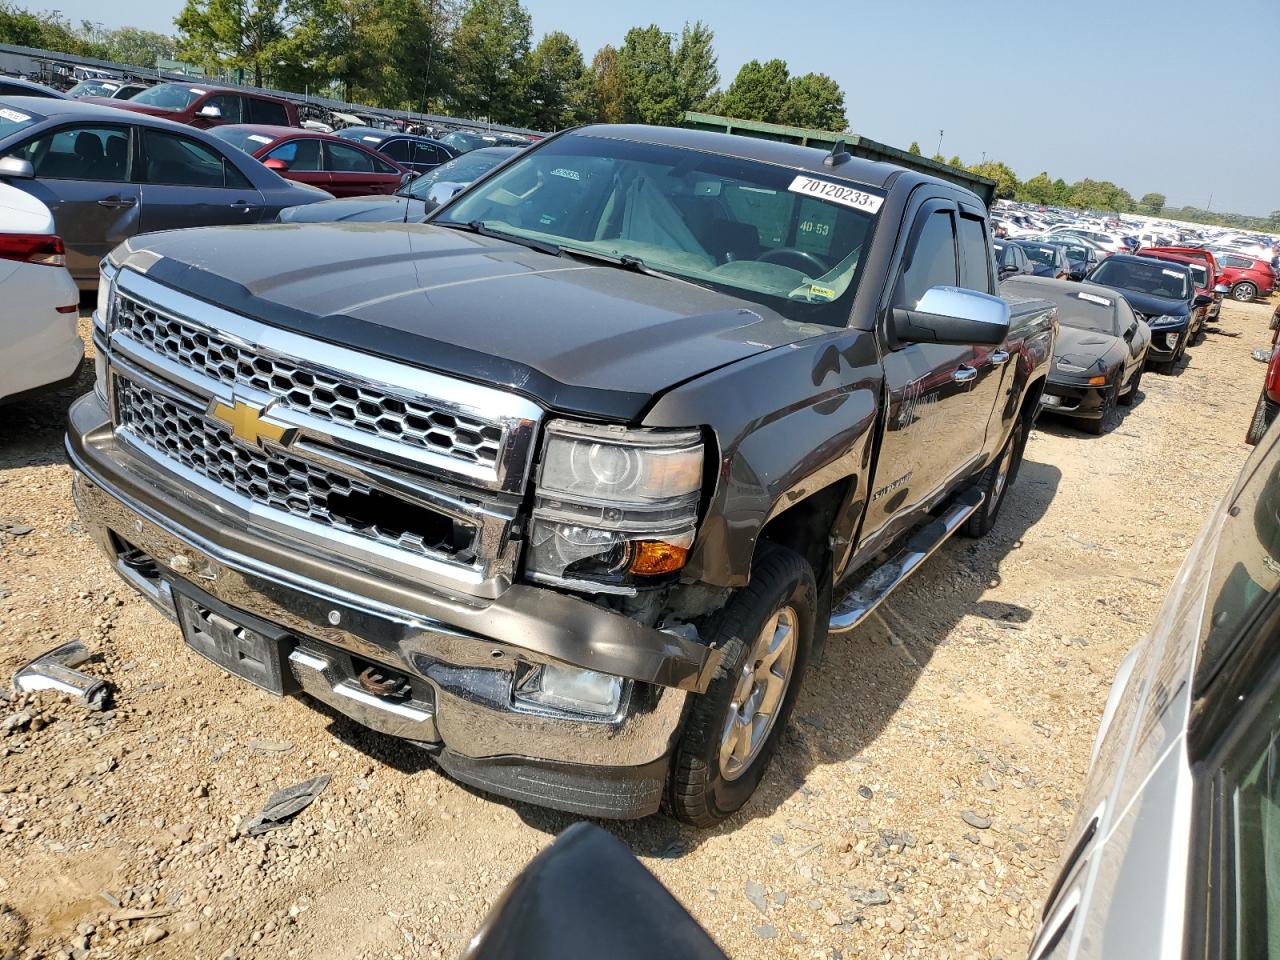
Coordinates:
x,y
1006,180
48,31
1100,195
694,62
814,100
1039,189
610,86
245,36
490,48
561,93
914,149
648,68
1151,203
758,92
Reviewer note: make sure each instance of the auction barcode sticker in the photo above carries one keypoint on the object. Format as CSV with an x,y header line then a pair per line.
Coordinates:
x,y
837,193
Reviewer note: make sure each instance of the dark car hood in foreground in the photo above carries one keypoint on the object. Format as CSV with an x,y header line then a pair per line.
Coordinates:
x,y
357,210
575,335
1098,352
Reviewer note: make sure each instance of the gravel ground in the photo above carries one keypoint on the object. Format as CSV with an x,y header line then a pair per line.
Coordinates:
x,y
917,808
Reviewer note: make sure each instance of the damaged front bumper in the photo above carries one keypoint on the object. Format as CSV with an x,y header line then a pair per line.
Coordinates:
x,y
1073,400
457,659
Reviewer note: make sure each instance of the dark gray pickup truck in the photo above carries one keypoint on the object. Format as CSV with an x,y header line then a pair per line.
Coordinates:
x,y
569,484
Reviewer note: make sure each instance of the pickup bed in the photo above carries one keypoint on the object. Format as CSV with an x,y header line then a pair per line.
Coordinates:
x,y
569,484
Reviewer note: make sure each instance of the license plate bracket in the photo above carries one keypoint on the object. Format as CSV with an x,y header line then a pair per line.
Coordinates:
x,y
255,652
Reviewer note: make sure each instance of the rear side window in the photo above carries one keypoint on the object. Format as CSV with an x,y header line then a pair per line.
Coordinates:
x,y
345,159
267,112
397,150
302,156
181,161
932,261
975,270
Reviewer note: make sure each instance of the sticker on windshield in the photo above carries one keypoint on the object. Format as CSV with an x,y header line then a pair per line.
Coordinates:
x,y
1048,250
1102,301
1172,273
14,115
823,293
259,138
371,139
197,91
836,193
566,173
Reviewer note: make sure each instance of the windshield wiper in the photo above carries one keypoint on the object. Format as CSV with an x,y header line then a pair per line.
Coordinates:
x,y
484,230
626,262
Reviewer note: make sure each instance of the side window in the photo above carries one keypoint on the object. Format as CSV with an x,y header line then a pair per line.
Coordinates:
x,y
975,261
398,150
267,112
932,261
180,161
1254,801
302,156
80,153
345,159
229,104
1020,258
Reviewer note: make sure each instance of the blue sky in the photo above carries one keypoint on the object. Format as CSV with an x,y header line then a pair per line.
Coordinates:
x,y
1160,95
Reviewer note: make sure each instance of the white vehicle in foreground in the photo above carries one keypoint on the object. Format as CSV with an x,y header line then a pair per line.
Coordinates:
x,y
1175,852
39,302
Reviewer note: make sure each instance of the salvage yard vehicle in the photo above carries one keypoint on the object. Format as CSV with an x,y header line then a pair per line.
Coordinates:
x,y
1247,277
1102,347
40,347
1264,414
1162,295
107,175
411,203
570,483
321,160
1175,850
1011,259
202,106
1204,270
1047,259
419,154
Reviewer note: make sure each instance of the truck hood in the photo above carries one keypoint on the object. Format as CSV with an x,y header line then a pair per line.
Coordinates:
x,y
130,105
357,210
573,334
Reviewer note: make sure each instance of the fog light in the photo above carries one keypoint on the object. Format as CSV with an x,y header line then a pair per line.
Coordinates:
x,y
571,689
1171,340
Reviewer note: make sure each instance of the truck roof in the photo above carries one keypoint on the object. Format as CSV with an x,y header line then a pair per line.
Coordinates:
x,y
869,172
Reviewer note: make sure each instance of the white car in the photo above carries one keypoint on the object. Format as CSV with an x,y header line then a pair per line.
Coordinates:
x,y
39,344
1175,852
1111,242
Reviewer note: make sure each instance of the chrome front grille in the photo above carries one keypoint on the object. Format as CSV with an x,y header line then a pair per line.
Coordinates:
x,y
327,395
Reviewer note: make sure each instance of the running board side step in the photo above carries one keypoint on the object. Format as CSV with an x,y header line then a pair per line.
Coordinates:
x,y
859,604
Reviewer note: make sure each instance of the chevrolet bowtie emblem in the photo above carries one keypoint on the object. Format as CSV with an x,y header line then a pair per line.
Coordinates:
x,y
246,423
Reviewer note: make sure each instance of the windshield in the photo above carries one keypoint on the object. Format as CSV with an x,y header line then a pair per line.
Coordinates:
x,y
93,88
1154,277
1091,310
169,96
463,169
1199,275
462,142
1039,254
752,229
11,121
246,140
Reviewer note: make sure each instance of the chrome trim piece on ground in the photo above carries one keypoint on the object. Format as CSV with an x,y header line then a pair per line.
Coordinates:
x,y
54,670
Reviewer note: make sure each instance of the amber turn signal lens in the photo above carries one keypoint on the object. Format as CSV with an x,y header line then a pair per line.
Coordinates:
x,y
652,557
1097,381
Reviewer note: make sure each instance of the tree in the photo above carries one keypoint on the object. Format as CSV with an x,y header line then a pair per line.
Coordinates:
x,y
955,161
490,48
240,35
1061,193
47,31
1099,195
610,86
758,92
559,89
696,73
649,74
1151,203
914,149
1006,180
814,100
1039,189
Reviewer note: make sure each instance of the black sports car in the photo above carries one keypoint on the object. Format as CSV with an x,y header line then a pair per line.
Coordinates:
x,y
1101,349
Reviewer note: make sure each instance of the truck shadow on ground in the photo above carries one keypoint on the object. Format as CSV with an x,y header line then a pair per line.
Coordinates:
x,y
864,676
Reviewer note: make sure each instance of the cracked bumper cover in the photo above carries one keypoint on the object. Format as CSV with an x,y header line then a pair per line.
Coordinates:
x,y
465,649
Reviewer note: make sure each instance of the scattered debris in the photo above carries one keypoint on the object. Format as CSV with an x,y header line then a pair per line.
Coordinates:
x,y
14,527
755,893
975,821
53,670
270,746
284,804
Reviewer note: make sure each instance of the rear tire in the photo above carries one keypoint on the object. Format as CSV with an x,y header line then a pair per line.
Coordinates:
x,y
1127,398
1244,292
1263,414
711,778
996,481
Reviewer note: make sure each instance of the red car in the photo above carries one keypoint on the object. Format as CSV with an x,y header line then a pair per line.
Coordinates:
x,y
1246,276
343,167
199,106
1204,270
1269,401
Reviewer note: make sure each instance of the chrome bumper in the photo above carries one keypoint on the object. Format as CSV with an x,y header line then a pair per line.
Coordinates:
x,y
467,651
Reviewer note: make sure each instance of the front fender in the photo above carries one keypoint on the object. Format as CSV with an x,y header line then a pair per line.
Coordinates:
x,y
788,423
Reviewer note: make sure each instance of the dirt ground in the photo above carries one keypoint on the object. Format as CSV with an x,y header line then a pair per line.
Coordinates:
x,y
972,696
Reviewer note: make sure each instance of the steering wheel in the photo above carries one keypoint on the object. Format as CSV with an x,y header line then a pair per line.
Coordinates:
x,y
811,262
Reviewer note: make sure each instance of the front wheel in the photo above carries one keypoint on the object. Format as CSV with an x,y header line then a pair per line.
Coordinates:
x,y
1131,394
1103,423
996,481
1244,292
766,631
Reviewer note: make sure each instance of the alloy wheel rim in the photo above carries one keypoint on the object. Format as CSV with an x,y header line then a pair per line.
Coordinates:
x,y
1002,474
1244,293
757,698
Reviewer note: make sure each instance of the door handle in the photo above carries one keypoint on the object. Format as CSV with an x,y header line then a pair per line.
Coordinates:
x,y
118,202
964,374
999,358
242,205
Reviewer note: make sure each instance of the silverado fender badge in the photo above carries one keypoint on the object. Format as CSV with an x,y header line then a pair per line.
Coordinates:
x,y
246,423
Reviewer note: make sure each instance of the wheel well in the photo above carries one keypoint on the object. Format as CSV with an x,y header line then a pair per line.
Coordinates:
x,y
1031,402
805,527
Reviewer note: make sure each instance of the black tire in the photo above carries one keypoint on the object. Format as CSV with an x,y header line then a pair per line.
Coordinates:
x,y
984,518
1103,423
698,791
1126,399
1244,292
1263,414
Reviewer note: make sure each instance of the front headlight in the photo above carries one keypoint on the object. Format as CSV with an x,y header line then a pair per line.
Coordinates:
x,y
615,507
1166,320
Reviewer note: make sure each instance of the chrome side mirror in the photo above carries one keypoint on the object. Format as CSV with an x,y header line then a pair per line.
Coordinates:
x,y
953,315
17,168
210,112
442,192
